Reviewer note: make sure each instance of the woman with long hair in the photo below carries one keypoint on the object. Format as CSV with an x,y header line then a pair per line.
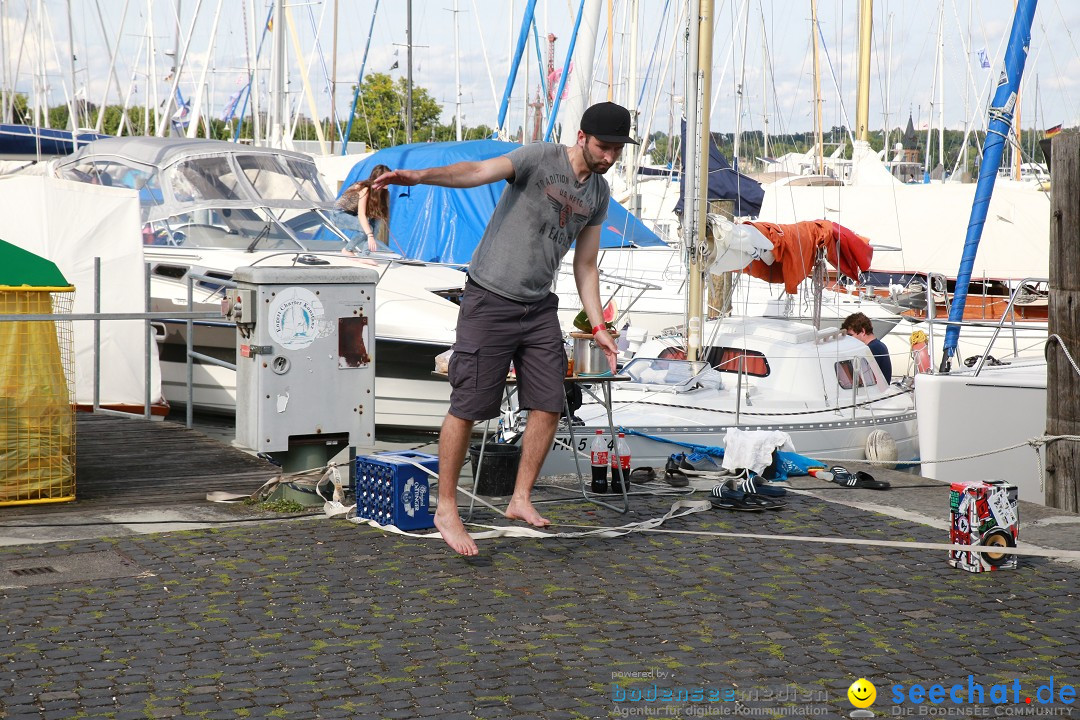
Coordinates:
x,y
374,220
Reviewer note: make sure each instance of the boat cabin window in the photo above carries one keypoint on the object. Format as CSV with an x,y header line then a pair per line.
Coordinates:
x,y
669,375
846,373
736,360
673,353
209,178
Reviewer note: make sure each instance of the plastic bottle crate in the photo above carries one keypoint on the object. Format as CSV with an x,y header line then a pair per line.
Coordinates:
x,y
391,490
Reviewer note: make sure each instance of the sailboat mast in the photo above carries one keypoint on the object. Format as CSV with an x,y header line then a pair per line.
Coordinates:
x,y
967,70
457,74
697,254
888,83
277,77
610,50
631,102
333,83
739,92
819,139
941,88
764,88
408,81
862,98
73,120
692,105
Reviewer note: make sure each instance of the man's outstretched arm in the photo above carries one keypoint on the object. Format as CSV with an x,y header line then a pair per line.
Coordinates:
x,y
465,174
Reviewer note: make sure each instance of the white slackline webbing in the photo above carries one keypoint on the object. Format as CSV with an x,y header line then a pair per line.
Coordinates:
x,y
688,507
335,509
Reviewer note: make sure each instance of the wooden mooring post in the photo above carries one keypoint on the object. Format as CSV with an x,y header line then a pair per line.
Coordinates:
x,y
1062,378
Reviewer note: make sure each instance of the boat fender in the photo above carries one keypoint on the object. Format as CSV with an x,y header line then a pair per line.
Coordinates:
x,y
920,354
880,446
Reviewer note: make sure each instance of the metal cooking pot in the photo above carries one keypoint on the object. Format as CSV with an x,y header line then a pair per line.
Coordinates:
x,y
589,358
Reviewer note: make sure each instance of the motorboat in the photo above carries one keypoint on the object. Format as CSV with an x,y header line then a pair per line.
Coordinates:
x,y
209,207
821,387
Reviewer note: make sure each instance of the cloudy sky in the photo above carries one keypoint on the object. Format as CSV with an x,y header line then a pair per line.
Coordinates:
x,y
762,45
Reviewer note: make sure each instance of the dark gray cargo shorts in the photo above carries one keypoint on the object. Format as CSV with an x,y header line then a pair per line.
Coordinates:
x,y
493,330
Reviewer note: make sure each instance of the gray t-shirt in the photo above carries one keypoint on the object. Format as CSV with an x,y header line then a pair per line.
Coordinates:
x,y
540,214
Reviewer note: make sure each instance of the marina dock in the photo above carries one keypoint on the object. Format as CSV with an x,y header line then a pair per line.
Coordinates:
x,y
313,617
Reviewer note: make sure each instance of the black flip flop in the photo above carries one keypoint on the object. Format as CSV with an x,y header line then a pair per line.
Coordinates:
x,y
860,480
746,500
642,475
676,479
756,486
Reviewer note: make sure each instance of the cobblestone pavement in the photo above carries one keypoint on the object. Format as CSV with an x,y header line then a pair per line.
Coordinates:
x,y
318,618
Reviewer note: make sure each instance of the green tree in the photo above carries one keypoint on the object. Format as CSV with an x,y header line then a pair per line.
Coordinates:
x,y
380,112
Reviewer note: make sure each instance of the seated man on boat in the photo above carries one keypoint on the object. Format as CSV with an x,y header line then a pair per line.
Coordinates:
x,y
859,326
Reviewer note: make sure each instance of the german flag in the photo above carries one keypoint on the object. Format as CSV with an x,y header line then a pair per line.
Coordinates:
x,y
1051,132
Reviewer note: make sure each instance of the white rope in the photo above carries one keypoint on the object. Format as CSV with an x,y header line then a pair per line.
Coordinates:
x,y
1035,442
678,509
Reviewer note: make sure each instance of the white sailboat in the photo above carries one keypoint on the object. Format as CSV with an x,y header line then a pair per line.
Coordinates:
x,y
821,387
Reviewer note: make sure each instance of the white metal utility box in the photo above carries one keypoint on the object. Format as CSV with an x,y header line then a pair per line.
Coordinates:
x,y
305,355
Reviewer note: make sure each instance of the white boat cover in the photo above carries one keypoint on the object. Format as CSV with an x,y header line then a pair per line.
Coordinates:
x,y
921,228
71,223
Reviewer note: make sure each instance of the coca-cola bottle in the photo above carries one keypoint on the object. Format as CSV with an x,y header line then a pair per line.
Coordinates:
x,y
599,461
620,464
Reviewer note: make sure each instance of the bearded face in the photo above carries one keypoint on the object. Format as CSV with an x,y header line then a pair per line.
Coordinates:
x,y
599,156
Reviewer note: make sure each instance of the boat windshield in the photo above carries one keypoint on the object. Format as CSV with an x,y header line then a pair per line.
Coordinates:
x,y
283,179
222,228
203,179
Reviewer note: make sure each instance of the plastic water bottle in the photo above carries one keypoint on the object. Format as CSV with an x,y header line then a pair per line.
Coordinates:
x,y
620,465
599,461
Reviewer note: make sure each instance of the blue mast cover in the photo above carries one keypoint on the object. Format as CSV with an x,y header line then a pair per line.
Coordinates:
x,y
1001,119
724,182
438,224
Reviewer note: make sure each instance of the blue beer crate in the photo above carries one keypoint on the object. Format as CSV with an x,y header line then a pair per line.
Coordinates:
x,y
392,490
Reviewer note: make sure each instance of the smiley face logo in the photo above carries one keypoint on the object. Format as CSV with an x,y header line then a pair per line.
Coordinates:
x,y
862,693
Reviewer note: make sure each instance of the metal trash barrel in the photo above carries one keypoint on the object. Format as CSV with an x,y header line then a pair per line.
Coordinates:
x,y
499,471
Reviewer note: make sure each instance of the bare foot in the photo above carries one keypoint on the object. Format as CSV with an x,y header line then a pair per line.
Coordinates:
x,y
524,510
453,532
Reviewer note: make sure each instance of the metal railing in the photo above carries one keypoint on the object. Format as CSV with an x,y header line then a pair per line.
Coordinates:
x,y
97,317
1008,314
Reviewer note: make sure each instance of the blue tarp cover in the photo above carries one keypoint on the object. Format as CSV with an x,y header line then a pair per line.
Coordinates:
x,y
437,224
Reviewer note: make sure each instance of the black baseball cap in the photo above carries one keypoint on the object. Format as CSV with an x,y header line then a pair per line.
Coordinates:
x,y
608,122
